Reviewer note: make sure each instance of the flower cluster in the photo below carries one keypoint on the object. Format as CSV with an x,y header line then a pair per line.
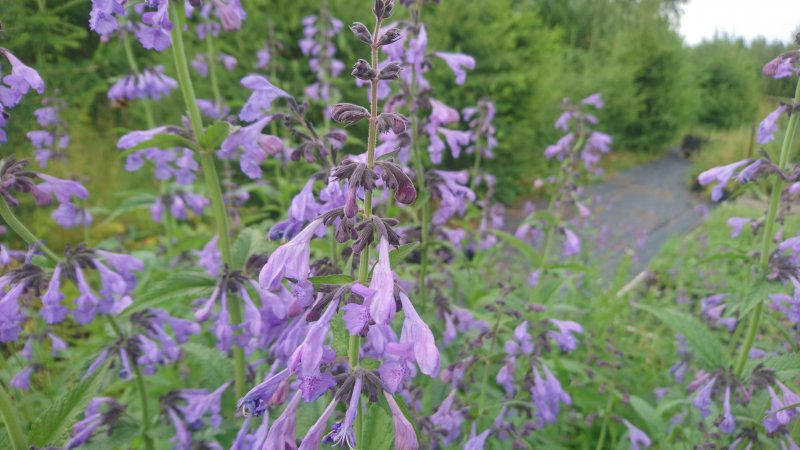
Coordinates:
x,y
317,44
15,85
51,141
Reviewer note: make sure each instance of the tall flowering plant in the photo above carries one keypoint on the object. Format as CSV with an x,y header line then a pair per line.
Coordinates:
x,y
364,306
744,381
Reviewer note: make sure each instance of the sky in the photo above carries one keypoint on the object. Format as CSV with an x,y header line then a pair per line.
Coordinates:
x,y
774,19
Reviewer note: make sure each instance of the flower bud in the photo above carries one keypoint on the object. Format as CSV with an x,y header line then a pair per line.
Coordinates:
x,y
406,193
391,71
383,9
362,32
363,71
389,36
392,121
348,113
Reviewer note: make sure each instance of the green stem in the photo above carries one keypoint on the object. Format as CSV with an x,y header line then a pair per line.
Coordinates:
x,y
212,69
210,176
11,420
22,231
766,240
419,168
140,386
601,440
487,363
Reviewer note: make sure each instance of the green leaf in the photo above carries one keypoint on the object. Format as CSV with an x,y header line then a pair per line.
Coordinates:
x,y
378,432
249,241
162,141
786,366
214,135
174,288
386,156
331,279
341,337
399,254
648,414
519,244
701,341
758,292
212,367
53,424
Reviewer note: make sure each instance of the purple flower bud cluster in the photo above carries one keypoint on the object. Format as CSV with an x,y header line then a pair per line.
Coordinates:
x,y
15,85
151,83
583,144
172,163
317,44
53,140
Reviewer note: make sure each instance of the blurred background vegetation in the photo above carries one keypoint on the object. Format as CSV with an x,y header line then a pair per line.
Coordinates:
x,y
530,54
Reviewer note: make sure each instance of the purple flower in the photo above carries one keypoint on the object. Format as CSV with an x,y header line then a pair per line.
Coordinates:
x,y
356,316
313,437
547,396
560,149
200,402
22,379
102,18
150,83
282,434
253,142
721,175
345,433
563,337
308,354
702,399
256,400
260,100
70,216
505,376
447,420
638,437
52,310
595,100
382,304
477,441
456,139
86,303
736,224
230,13
572,243
405,438
768,126
21,79
728,424
94,418
782,66
442,114
451,189
416,332
289,260
210,258
457,63
154,32
63,190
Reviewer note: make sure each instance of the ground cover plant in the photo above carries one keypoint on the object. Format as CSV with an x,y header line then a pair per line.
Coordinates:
x,y
331,265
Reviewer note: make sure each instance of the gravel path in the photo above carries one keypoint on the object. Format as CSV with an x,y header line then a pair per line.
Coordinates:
x,y
642,207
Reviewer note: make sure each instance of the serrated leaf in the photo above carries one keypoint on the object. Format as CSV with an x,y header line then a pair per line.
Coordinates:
x,y
53,424
174,288
519,244
161,141
398,255
648,414
212,367
331,279
757,293
214,135
701,341
378,432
